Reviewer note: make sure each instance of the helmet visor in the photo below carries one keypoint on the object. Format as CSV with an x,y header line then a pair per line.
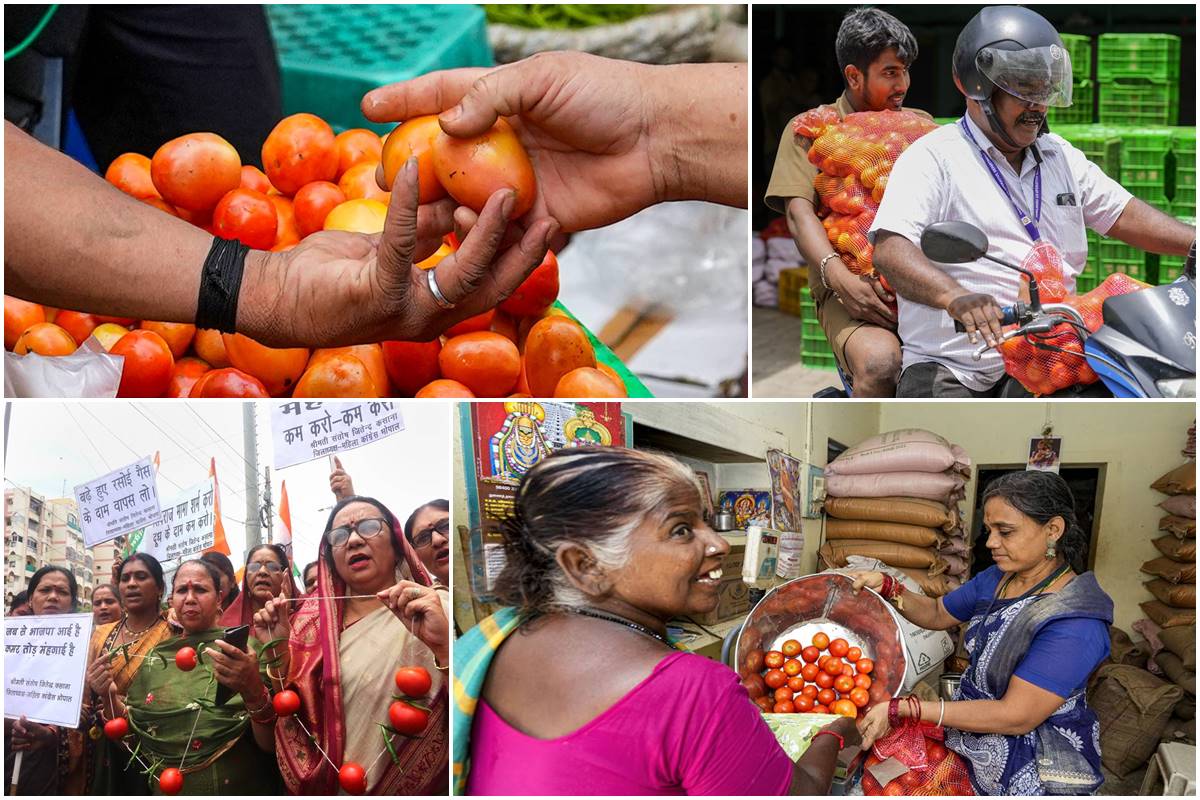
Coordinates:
x,y
1040,75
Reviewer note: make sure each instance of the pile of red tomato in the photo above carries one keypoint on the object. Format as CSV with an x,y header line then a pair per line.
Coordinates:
x,y
317,181
826,677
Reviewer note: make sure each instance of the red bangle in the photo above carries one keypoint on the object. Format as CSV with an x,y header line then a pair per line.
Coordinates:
x,y
838,736
894,712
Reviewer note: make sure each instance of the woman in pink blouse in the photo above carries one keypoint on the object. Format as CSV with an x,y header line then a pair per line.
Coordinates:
x,y
579,691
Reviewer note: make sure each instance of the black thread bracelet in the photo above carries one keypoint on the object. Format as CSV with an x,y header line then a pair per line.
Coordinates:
x,y
220,285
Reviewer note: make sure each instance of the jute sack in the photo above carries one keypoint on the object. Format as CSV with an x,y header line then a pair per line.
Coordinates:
x,y
905,450
1181,505
1181,480
1176,549
1171,570
932,585
1174,669
1133,707
881,532
906,510
945,487
1123,650
1179,595
1182,527
1186,708
955,545
1166,616
836,551
1181,640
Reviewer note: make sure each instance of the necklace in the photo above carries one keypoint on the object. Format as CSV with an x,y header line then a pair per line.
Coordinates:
x,y
137,634
1045,582
637,626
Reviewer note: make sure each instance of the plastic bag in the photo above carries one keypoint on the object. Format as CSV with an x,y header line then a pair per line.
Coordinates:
x,y
933,770
90,371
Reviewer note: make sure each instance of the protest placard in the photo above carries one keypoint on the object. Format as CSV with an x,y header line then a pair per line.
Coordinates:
x,y
45,659
118,502
306,431
185,525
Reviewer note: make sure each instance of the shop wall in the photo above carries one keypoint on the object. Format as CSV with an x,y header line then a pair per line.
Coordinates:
x,y
1134,444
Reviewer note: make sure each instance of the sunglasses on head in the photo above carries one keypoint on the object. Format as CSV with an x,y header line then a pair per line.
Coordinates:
x,y
366,528
422,538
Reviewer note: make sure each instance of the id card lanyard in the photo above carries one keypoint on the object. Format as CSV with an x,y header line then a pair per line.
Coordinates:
x,y
1030,225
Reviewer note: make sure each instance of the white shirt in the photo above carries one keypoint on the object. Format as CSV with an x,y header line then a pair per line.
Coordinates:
x,y
942,177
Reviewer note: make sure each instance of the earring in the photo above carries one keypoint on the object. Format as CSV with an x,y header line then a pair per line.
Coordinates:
x,y
1051,550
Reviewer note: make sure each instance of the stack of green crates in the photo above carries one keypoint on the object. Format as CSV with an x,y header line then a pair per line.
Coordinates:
x,y
1116,256
1182,189
1147,163
1139,78
814,347
1102,146
1083,91
1165,269
1090,277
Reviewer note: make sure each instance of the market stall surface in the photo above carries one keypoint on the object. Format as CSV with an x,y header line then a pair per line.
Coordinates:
x,y
778,371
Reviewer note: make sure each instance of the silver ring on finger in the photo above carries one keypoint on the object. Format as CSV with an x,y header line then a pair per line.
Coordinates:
x,y
414,593
438,297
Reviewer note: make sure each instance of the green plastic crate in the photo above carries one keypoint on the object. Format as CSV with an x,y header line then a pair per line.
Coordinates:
x,y
1080,49
1116,256
633,384
331,55
1101,146
815,350
1151,189
1139,102
1169,268
1082,110
1138,55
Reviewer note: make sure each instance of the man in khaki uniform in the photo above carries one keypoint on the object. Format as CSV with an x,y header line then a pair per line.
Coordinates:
x,y
874,52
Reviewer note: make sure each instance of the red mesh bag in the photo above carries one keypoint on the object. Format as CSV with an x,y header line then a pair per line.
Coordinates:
x,y
855,157
1045,262
933,770
1045,371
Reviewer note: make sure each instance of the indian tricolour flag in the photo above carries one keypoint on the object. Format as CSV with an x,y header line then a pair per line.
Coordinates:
x,y
285,527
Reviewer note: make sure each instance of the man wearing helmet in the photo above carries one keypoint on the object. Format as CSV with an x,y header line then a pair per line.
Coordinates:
x,y
1030,191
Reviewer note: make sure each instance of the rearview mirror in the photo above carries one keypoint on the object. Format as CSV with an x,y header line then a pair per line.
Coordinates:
x,y
953,242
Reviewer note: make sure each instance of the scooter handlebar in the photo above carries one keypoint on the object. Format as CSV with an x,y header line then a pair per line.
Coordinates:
x,y
1008,316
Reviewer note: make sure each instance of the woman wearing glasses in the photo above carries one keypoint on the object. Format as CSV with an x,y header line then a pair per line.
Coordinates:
x,y
268,575
374,611
428,531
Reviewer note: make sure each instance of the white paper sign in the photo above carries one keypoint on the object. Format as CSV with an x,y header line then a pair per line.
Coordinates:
x,y
117,503
306,431
45,659
185,526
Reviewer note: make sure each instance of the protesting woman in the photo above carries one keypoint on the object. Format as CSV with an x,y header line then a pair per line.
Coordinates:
x,y
575,687
268,574
1038,627
373,611
106,607
53,755
428,531
117,652
172,706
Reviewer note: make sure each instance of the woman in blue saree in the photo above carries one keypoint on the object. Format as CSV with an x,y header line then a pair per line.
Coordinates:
x,y
1037,628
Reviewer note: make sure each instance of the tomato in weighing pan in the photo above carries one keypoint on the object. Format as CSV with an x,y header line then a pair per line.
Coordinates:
x,y
783,693
765,703
820,709
784,707
834,667
862,681
791,648
809,672
810,654
803,703
796,684
853,655
774,659
865,665
843,684
839,648
792,667
820,641
824,680
810,691
775,678
826,697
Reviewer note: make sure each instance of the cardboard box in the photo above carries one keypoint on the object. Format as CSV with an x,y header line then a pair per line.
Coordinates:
x,y
733,601
732,565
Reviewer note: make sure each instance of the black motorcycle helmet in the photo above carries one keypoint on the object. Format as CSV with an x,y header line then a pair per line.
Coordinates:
x,y
1016,50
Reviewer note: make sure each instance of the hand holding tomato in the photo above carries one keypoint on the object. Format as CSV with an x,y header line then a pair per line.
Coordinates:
x,y
420,609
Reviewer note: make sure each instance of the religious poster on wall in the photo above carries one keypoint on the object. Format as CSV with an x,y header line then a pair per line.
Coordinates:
x,y
785,490
1045,453
748,506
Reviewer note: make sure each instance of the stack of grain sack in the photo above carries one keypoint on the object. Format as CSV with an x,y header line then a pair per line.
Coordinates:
x,y
773,251
895,497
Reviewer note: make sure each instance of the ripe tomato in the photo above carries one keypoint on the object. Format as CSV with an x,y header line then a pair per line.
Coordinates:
x,y
352,778
845,708
820,641
791,668
211,347
411,365
357,216
803,704
472,170
864,666
774,659
810,654
255,179
148,364
443,250
406,718
286,703
555,346
413,681
479,322
201,219
287,232
839,648
784,707
170,780
826,697
108,334
443,388
116,728
612,373
485,362
45,339
834,667
809,672
76,323
810,691
796,684
765,703
19,315
862,681
824,680
177,335
185,659
299,150
312,205
783,693
853,655
277,368
228,382
775,678
130,172
537,293
843,684
336,375
860,697
371,356
195,171
184,376
359,181
585,382
248,216
820,709
754,686
414,138
356,146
